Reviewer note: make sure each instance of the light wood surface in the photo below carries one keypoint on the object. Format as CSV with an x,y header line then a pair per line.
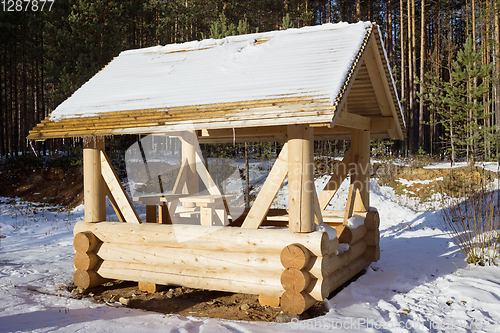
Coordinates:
x,y
94,193
208,238
268,192
300,178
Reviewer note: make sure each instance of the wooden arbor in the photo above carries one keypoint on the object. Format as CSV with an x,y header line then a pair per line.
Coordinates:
x,y
293,266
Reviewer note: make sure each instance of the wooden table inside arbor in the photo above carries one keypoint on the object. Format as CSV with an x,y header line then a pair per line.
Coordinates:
x,y
153,200
213,208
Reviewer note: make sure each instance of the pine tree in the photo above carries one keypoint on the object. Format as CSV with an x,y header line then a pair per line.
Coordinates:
x,y
221,29
287,22
459,104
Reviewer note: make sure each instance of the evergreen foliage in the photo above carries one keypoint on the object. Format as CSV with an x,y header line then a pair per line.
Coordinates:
x,y
287,22
46,55
460,103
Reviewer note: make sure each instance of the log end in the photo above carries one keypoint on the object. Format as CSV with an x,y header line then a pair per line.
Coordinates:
x,y
85,241
271,301
151,287
373,253
295,279
295,255
372,237
85,279
344,234
295,302
372,220
85,261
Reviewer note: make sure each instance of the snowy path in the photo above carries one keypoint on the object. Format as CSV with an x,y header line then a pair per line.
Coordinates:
x,y
420,284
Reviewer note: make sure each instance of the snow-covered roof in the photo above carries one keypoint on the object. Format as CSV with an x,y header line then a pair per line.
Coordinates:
x,y
265,79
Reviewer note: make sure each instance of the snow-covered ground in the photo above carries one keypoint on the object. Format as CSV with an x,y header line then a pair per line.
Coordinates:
x,y
421,283
490,166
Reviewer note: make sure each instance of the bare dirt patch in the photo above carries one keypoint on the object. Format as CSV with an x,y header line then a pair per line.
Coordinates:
x,y
34,181
193,302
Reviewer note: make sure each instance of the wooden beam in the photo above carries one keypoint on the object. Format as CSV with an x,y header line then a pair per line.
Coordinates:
x,y
94,196
382,90
335,181
268,192
300,178
209,238
352,120
382,123
250,131
118,213
117,191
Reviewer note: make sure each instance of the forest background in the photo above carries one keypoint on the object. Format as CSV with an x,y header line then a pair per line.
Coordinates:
x,y
444,56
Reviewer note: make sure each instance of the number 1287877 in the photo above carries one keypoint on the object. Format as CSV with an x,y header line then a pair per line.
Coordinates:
x,y
26,5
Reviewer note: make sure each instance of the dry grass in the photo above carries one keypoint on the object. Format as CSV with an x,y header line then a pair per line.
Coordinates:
x,y
450,183
473,225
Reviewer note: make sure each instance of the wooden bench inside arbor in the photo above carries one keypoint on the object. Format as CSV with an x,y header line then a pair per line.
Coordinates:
x,y
339,87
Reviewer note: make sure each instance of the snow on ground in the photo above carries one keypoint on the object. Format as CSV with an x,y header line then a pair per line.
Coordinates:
x,y
490,166
421,283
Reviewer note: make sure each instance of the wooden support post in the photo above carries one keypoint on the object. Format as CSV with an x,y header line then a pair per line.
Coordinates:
x,y
360,141
163,214
300,178
151,213
189,148
94,196
206,216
